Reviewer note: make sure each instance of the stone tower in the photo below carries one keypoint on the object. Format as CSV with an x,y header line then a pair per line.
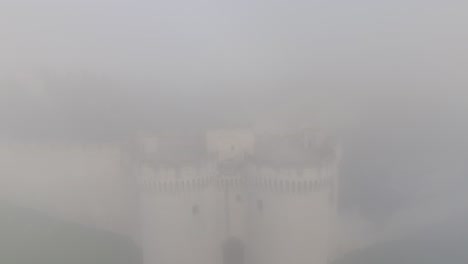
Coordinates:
x,y
235,196
177,198
292,189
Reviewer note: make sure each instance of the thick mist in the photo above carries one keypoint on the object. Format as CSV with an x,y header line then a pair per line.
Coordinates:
x,y
386,78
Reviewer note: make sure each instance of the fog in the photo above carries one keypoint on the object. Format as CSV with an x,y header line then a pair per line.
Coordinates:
x,y
387,79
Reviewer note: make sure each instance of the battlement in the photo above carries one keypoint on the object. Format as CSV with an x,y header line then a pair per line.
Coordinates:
x,y
288,180
182,179
295,161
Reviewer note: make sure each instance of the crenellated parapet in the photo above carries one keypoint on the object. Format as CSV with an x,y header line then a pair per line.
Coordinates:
x,y
177,180
293,181
233,183
293,162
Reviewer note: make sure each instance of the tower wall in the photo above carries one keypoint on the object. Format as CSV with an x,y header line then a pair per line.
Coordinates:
x,y
289,215
177,212
292,194
231,206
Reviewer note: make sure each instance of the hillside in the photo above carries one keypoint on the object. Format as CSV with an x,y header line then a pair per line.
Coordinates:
x,y
30,237
446,244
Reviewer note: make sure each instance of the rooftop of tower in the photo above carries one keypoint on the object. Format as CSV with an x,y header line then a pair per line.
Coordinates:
x,y
291,149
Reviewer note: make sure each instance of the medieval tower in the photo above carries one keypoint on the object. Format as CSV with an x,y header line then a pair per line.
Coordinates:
x,y
292,188
237,196
176,177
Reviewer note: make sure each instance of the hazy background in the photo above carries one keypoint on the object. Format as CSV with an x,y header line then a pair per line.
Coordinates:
x,y
388,76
